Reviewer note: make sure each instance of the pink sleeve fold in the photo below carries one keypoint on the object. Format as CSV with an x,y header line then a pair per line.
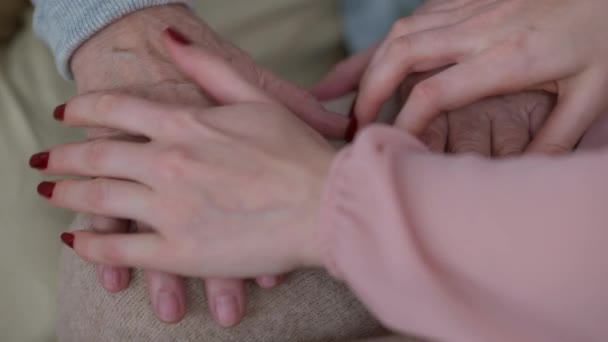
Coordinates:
x,y
468,249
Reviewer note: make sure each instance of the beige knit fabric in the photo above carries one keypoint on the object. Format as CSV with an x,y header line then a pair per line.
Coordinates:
x,y
309,307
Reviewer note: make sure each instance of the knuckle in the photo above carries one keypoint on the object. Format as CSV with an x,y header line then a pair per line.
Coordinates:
x,y
427,91
470,139
106,102
400,26
431,138
536,101
519,41
492,15
182,120
174,163
97,194
411,24
96,154
400,47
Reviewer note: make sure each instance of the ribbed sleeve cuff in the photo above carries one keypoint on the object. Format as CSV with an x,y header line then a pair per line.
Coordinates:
x,y
360,190
331,216
66,24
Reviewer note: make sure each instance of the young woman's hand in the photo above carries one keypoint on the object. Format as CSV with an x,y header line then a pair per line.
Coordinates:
x,y
498,126
493,48
129,57
231,191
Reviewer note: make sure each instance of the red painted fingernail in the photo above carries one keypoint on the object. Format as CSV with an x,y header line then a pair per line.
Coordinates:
x,y
68,239
45,189
352,108
59,112
40,160
351,130
178,37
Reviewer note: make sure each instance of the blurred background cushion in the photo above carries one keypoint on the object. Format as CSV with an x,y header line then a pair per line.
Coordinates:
x,y
11,14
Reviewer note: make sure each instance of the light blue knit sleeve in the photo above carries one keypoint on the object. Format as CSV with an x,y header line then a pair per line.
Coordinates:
x,y
66,24
366,22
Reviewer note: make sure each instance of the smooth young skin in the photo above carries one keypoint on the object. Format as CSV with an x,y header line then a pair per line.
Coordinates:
x,y
250,174
493,47
128,57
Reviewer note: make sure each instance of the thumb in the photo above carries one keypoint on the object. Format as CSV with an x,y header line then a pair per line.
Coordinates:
x,y
225,84
344,78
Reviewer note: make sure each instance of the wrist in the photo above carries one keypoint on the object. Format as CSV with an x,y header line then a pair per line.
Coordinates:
x,y
312,252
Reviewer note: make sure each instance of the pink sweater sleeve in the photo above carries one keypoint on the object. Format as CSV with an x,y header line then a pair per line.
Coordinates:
x,y
468,249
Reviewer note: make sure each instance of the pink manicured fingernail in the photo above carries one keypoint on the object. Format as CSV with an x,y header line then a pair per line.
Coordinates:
x,y
40,160
226,310
168,306
59,112
45,189
178,37
351,130
68,239
353,125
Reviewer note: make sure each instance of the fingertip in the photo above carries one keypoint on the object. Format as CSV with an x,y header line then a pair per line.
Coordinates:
x,y
59,112
227,301
176,37
332,88
68,239
358,110
79,242
85,246
412,124
169,307
168,296
177,45
113,279
321,92
549,148
75,240
268,282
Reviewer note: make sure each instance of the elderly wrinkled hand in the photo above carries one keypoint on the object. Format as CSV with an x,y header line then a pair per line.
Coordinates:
x,y
498,126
